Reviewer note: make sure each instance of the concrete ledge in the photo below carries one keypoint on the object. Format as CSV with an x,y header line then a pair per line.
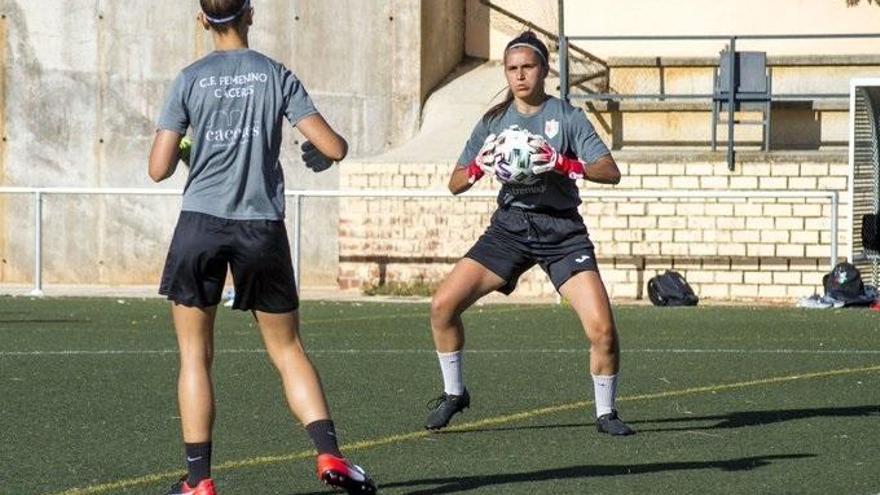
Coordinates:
x,y
654,154
831,104
648,105
779,61
687,156
694,105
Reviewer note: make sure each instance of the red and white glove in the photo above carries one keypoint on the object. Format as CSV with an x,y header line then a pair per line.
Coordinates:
x,y
484,163
544,159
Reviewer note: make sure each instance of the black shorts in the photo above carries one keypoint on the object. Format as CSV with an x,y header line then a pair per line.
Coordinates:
x,y
256,250
518,239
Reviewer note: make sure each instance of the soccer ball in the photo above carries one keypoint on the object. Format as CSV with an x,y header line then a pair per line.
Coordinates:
x,y
513,156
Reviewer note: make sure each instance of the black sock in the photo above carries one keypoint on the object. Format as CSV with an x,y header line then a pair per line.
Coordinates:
x,y
198,462
323,435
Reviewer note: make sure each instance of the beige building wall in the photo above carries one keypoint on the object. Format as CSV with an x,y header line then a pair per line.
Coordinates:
x,y
743,248
83,81
490,27
723,17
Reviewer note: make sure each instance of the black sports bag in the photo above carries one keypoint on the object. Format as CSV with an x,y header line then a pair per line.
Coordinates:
x,y
671,289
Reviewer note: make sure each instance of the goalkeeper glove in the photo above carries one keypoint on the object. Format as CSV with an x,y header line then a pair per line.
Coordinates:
x,y
544,159
313,158
484,162
184,150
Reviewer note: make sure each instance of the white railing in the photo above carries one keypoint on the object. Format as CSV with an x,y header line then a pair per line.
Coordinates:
x,y
298,195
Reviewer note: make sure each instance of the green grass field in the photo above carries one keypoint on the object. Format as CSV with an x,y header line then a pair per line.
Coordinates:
x,y
726,400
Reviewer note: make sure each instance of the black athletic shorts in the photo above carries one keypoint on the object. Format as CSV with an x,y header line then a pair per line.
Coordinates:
x,y
257,251
517,239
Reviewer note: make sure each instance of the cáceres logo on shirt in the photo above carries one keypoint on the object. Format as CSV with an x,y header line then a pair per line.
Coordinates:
x,y
228,127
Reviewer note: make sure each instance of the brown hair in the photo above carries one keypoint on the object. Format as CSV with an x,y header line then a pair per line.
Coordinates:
x,y
224,14
529,39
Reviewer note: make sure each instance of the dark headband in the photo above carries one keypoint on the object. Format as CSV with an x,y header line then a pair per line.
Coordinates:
x,y
221,20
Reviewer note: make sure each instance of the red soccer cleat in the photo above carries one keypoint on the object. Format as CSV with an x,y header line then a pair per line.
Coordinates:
x,y
340,473
205,487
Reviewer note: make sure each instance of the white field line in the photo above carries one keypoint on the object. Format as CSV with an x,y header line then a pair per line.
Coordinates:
x,y
128,352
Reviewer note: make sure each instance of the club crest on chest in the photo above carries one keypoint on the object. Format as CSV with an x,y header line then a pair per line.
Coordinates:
x,y
551,128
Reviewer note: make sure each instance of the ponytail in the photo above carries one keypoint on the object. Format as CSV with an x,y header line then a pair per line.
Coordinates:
x,y
498,110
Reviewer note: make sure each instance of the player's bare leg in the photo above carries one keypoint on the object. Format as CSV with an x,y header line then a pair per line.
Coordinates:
x,y
195,395
302,386
467,283
586,293
305,398
195,391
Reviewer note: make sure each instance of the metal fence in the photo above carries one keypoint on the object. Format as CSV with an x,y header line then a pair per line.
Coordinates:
x,y
298,196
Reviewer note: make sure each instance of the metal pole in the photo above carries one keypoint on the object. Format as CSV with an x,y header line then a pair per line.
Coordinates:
x,y
38,245
297,239
834,205
731,102
563,54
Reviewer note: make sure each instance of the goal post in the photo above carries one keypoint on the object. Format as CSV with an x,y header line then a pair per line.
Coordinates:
x,y
864,169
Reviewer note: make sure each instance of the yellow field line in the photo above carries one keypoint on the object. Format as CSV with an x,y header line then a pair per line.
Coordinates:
x,y
405,437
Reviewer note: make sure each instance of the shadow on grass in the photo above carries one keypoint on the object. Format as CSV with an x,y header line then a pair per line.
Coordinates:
x,y
742,419
738,419
466,483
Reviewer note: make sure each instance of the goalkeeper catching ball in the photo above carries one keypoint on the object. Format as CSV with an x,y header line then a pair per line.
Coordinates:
x,y
537,222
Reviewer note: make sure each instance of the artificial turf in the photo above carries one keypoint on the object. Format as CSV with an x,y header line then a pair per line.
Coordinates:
x,y
726,400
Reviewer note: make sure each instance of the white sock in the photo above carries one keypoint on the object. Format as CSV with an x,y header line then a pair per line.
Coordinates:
x,y
605,390
450,365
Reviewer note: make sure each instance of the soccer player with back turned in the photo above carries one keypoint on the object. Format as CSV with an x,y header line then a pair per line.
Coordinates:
x,y
535,223
235,100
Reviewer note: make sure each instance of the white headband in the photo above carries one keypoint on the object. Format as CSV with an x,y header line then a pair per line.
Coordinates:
x,y
221,20
517,45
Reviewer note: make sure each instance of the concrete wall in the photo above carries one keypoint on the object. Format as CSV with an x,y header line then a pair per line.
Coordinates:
x,y
443,27
490,28
84,80
723,17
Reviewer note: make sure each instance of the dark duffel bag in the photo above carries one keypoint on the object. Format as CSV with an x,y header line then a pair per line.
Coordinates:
x,y
671,289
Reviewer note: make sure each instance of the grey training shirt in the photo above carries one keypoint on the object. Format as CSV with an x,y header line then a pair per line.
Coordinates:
x,y
235,102
567,129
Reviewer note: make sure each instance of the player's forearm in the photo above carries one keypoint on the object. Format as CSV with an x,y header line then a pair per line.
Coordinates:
x,y
338,150
164,155
459,180
603,171
317,131
160,173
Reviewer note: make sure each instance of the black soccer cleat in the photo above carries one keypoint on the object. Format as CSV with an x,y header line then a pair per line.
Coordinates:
x,y
612,425
444,407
